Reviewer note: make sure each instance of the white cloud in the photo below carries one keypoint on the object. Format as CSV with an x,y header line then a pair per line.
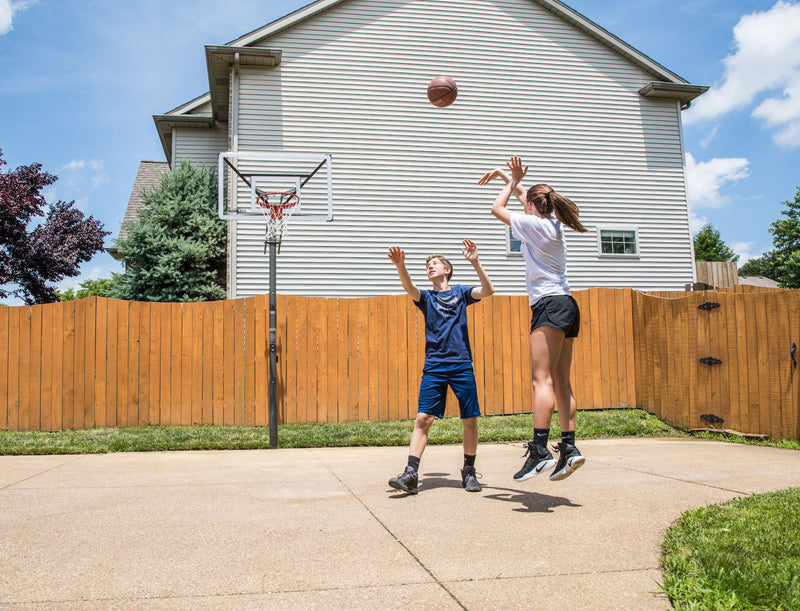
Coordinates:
x,y
766,61
709,137
706,179
746,251
697,223
77,168
7,11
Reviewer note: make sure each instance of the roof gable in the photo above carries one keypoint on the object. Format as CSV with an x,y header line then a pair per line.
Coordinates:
x,y
556,7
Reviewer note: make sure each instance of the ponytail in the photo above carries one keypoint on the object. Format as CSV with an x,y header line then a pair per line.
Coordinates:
x,y
548,202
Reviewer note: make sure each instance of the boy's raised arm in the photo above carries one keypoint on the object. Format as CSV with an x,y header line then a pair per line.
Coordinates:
x,y
398,257
470,252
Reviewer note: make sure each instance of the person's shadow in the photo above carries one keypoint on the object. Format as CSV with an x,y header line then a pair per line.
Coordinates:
x,y
529,502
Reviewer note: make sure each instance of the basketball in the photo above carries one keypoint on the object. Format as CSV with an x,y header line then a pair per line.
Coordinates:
x,y
442,91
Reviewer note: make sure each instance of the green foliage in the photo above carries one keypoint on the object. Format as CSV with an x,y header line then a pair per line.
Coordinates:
x,y
744,554
709,246
764,266
177,249
786,240
104,287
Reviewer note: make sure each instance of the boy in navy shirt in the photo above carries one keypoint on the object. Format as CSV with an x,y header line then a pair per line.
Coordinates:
x,y
448,358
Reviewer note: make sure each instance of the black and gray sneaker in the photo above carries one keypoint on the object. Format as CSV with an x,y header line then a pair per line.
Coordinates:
x,y
569,461
469,479
406,481
539,459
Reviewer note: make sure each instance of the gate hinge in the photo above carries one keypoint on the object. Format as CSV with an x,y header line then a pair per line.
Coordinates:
x,y
710,360
708,306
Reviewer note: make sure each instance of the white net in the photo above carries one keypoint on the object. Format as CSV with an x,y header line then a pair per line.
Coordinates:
x,y
277,209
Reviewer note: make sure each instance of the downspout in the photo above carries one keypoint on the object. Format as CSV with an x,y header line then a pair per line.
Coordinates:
x,y
233,122
682,107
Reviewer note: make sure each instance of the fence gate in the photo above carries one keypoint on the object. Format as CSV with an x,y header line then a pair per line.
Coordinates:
x,y
722,360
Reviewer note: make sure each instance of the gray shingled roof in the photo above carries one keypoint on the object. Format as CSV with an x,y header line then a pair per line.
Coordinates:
x,y
147,178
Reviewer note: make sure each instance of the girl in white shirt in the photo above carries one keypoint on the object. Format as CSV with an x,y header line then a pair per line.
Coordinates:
x,y
555,317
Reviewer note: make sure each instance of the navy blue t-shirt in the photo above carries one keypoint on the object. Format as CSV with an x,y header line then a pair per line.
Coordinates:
x,y
446,331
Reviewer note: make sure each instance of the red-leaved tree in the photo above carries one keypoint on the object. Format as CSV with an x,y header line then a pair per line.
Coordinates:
x,y
40,243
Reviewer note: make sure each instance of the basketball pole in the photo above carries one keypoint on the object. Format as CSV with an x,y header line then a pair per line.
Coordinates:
x,y
273,346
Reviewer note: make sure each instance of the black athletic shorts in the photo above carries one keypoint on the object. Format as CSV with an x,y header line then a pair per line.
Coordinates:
x,y
558,311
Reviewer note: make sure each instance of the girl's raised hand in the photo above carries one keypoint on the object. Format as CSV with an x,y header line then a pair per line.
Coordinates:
x,y
517,171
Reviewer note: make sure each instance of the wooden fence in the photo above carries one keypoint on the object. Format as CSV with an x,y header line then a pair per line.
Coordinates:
x,y
102,362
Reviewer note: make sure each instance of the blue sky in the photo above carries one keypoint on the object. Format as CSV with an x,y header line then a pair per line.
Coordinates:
x,y
81,79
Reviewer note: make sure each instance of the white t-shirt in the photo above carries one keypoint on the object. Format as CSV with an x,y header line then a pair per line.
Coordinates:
x,y
545,255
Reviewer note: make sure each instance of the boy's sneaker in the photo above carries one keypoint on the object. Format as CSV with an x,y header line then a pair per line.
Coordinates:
x,y
539,459
469,479
569,460
406,481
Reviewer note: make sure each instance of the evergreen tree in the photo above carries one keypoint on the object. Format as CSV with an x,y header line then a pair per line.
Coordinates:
x,y
177,249
709,246
786,240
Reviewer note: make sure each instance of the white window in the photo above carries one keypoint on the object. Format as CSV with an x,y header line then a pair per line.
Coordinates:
x,y
514,245
618,242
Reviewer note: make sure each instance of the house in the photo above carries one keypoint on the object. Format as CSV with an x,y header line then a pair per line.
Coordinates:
x,y
592,116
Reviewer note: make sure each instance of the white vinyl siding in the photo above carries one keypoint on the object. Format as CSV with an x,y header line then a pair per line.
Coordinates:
x,y
352,82
200,145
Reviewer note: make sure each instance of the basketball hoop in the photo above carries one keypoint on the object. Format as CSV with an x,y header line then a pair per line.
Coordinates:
x,y
277,208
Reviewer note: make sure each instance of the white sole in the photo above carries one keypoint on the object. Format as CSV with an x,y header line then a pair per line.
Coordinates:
x,y
542,466
573,464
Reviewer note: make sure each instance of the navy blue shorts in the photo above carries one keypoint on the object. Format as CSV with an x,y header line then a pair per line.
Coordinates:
x,y
558,311
436,377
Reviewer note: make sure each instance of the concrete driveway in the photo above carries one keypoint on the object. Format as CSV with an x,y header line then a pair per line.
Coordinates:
x,y
284,529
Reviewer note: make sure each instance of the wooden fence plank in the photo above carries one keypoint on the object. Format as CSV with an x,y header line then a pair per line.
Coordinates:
x,y
29,353
89,369
46,363
101,360
229,364
505,352
315,347
169,370
304,377
177,370
379,337
157,311
392,370
353,374
766,395
218,356
365,369
143,347
207,350
5,365
290,352
743,370
132,370
68,368
249,358
732,356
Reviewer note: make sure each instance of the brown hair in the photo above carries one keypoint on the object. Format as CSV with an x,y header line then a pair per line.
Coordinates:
x,y
548,201
444,261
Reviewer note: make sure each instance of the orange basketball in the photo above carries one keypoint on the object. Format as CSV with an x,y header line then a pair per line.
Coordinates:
x,y
442,91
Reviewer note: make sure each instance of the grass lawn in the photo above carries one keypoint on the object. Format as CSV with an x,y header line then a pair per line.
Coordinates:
x,y
590,425
744,554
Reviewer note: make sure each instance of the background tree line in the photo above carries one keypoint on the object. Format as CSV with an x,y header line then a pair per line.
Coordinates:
x,y
781,264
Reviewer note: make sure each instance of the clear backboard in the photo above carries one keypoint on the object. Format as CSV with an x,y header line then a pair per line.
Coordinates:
x,y
244,176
